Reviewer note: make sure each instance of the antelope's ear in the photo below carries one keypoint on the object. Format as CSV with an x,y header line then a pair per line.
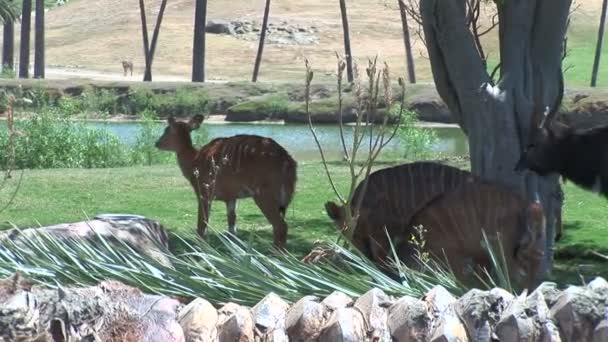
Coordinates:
x,y
171,120
195,122
334,211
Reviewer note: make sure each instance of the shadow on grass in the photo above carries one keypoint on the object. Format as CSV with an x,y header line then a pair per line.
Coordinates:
x,y
300,236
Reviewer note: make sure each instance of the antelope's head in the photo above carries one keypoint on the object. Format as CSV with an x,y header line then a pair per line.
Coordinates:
x,y
543,153
177,133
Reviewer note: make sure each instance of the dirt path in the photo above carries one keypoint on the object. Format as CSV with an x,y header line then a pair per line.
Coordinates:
x,y
71,73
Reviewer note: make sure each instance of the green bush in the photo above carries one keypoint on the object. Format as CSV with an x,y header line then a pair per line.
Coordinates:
x,y
416,141
100,101
49,140
183,102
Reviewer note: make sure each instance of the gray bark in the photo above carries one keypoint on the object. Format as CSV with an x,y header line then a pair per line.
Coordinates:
x,y
498,119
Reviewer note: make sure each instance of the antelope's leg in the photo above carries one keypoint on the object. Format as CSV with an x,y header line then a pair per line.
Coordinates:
x,y
231,213
271,211
203,217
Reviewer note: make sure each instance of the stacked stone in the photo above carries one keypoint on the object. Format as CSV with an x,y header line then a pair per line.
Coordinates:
x,y
115,312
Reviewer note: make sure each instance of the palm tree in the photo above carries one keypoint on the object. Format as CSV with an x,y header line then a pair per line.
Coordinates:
x,y
411,72
347,51
198,49
24,45
258,57
39,41
150,48
8,13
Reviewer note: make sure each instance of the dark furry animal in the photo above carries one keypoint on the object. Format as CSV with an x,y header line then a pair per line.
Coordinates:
x,y
392,197
578,155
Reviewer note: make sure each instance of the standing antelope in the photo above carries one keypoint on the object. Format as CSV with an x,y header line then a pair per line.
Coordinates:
x,y
236,167
578,155
126,66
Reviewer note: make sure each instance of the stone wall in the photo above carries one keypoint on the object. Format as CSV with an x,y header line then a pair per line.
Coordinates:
x,y
112,311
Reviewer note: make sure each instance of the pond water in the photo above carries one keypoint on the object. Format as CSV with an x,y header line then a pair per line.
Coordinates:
x,y
297,138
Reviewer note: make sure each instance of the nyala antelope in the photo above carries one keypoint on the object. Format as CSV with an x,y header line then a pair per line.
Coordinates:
x,y
126,66
578,155
393,195
453,207
454,222
227,169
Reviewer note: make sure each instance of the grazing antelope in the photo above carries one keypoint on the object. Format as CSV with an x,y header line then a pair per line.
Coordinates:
x,y
236,167
392,197
454,223
127,65
578,155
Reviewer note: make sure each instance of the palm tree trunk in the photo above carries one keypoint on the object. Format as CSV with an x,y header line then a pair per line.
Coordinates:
x,y
258,57
159,20
198,46
24,45
8,45
347,51
144,31
39,41
411,72
598,48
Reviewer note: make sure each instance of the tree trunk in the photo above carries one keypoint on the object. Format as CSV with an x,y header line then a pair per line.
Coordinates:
x,y
258,57
598,48
499,119
24,44
150,48
347,51
411,71
144,31
39,41
8,46
159,20
198,46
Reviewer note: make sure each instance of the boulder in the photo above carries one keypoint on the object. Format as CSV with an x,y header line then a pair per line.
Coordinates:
x,y
219,26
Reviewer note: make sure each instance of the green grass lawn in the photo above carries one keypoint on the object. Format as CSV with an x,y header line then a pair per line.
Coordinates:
x,y
160,192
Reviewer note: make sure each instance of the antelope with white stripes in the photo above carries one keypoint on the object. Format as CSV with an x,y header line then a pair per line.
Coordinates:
x,y
227,169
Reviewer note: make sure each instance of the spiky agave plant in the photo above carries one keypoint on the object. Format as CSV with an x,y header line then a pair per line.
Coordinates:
x,y
233,271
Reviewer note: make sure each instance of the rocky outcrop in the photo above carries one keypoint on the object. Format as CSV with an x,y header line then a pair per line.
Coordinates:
x,y
278,32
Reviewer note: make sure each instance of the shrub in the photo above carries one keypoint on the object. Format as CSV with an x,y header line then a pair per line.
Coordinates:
x,y
100,101
184,102
49,140
416,141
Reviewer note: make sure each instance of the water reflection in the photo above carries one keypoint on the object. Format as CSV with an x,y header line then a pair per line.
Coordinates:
x,y
298,140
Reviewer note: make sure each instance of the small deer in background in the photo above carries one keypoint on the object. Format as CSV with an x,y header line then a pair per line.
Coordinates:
x,y
236,167
126,66
578,155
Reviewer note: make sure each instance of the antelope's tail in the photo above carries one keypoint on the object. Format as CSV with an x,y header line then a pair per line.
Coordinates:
x,y
288,183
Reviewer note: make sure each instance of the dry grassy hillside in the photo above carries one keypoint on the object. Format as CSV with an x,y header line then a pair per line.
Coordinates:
x,y
96,35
